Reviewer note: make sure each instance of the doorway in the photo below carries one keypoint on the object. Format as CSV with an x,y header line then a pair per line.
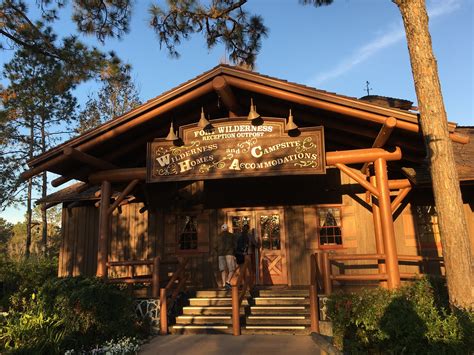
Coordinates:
x,y
269,254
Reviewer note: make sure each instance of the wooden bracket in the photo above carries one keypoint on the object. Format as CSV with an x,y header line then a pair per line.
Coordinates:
x,y
357,176
122,195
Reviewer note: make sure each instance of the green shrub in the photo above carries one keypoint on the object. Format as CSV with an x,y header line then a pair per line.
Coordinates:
x,y
413,319
24,277
70,313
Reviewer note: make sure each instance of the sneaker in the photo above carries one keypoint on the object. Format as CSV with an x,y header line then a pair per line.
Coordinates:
x,y
228,286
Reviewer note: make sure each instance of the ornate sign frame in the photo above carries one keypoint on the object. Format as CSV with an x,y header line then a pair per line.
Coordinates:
x,y
236,148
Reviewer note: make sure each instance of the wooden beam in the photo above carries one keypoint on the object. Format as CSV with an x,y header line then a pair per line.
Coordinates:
x,y
122,195
119,175
324,105
386,219
398,184
122,128
382,138
400,197
88,159
226,95
357,176
104,226
355,156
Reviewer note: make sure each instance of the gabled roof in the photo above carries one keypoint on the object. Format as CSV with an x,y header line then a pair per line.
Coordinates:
x,y
353,123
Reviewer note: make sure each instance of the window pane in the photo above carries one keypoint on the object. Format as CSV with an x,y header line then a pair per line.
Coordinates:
x,y
329,225
187,232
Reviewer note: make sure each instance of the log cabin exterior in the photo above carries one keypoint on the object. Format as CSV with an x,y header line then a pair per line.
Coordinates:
x,y
372,198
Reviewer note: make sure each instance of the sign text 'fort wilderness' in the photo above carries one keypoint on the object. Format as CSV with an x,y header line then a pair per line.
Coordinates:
x,y
237,148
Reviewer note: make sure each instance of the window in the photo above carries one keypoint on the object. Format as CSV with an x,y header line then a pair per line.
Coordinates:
x,y
187,232
427,225
329,226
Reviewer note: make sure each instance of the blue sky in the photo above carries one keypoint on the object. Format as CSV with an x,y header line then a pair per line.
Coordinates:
x,y
336,48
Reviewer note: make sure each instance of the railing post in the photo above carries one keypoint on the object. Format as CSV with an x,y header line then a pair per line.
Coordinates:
x,y
235,310
155,281
163,312
327,274
313,299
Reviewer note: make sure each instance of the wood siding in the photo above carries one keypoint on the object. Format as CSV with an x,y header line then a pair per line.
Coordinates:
x,y
140,236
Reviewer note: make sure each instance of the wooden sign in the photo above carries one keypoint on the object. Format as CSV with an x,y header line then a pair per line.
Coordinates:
x,y
236,148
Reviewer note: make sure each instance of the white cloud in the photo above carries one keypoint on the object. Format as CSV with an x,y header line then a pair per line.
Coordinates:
x,y
395,34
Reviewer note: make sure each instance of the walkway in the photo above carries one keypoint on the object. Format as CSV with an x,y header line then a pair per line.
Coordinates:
x,y
229,345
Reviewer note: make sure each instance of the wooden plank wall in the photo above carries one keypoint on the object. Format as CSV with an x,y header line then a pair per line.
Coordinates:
x,y
78,252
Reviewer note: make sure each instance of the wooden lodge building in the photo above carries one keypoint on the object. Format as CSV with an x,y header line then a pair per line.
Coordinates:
x,y
343,178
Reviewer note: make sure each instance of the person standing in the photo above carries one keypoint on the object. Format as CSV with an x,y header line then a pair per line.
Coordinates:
x,y
225,251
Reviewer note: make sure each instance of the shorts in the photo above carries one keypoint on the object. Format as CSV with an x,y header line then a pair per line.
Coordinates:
x,y
227,260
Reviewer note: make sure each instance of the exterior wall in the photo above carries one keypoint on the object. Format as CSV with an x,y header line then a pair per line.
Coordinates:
x,y
136,236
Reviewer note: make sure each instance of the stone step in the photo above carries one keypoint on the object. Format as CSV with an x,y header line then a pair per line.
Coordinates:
x,y
278,310
210,310
201,329
276,329
281,301
204,320
278,320
214,301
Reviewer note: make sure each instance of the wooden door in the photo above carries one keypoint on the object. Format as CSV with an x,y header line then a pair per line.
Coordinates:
x,y
271,235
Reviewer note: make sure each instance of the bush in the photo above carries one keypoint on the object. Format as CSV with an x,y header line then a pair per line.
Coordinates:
x,y
413,319
24,277
69,313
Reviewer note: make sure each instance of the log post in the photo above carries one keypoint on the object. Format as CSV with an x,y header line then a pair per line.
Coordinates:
x,y
235,310
386,219
104,228
313,299
155,283
379,246
327,274
163,312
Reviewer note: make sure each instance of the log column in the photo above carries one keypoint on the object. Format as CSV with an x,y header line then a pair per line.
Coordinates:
x,y
386,219
379,245
104,228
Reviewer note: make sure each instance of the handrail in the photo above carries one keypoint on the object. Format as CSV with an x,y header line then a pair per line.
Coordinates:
x,y
153,279
328,277
164,301
243,280
313,294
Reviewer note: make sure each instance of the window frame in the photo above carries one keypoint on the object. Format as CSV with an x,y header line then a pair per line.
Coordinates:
x,y
318,228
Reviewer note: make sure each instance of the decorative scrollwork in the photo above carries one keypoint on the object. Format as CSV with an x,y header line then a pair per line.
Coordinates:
x,y
306,164
168,170
204,168
221,163
305,145
245,146
178,150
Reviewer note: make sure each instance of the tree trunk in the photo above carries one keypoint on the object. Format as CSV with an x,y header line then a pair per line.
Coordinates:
x,y
44,192
434,124
29,212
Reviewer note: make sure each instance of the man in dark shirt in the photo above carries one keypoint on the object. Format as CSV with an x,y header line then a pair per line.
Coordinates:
x,y
225,250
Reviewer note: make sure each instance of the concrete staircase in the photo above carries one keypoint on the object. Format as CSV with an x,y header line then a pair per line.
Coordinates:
x,y
208,312
276,310
267,310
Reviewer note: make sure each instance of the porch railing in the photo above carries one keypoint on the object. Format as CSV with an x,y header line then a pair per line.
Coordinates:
x,y
240,285
326,260
175,285
313,294
153,279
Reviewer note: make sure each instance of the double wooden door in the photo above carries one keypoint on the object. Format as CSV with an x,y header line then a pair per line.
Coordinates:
x,y
269,250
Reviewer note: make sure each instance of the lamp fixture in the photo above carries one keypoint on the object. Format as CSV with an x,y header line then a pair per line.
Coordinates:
x,y
253,114
203,121
291,125
171,135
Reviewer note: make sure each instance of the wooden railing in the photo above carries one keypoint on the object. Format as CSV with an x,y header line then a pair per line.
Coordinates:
x,y
240,285
153,278
313,294
175,285
326,259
